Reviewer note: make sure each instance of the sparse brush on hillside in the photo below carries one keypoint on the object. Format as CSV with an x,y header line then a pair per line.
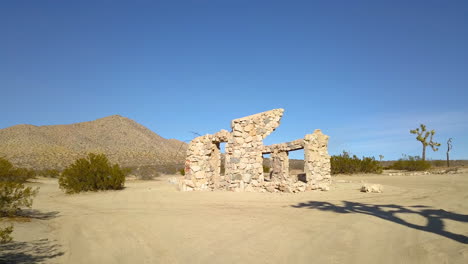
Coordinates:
x,y
346,164
123,140
92,174
411,163
13,194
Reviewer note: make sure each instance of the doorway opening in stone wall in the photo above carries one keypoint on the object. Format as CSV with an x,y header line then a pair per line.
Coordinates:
x,y
266,167
222,151
296,165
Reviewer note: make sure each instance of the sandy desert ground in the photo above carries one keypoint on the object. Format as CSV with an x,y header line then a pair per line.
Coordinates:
x,y
418,219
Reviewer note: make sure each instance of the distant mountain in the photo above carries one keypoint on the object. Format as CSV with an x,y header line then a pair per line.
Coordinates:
x,y
121,139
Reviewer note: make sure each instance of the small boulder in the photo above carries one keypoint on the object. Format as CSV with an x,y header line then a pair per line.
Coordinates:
x,y
249,188
285,188
324,187
374,188
270,189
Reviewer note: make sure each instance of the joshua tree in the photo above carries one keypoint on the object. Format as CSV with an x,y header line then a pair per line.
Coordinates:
x,y
381,157
449,147
422,136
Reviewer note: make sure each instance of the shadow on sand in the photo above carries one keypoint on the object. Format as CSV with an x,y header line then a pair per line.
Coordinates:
x,y
36,251
36,214
435,217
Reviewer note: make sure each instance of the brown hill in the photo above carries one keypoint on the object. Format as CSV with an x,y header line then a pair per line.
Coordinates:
x,y
122,139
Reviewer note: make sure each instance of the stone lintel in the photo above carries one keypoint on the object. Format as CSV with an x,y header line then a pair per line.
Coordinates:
x,y
282,147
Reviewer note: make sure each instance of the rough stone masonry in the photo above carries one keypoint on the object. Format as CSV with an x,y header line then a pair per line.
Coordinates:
x,y
244,159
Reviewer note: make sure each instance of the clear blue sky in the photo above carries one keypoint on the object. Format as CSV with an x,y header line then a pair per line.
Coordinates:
x,y
365,72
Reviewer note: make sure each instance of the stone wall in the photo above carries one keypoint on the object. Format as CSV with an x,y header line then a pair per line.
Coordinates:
x,y
316,160
201,166
203,162
244,156
280,166
244,159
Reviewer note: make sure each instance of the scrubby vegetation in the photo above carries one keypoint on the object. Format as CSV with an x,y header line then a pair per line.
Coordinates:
x,y
411,163
148,172
438,163
13,194
346,164
5,234
92,174
8,173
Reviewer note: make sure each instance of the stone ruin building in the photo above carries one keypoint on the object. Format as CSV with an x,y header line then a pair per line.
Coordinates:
x,y
244,151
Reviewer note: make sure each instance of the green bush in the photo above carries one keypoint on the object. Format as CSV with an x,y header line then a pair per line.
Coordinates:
x,y
8,173
5,234
146,174
346,164
182,172
438,163
411,163
5,167
13,196
92,174
13,193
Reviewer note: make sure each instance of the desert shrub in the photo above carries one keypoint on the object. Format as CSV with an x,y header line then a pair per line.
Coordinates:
x,y
5,234
182,172
347,164
170,168
8,173
23,174
150,172
370,165
438,163
148,176
146,172
13,196
92,174
5,167
411,163
295,164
